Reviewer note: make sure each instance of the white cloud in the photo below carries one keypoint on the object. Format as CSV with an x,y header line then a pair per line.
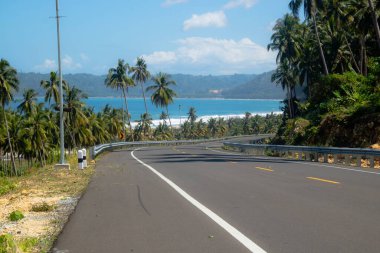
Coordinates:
x,y
68,64
215,19
238,3
216,56
84,57
161,57
48,64
173,2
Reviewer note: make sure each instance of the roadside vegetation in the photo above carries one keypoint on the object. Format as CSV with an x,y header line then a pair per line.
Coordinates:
x,y
334,55
36,199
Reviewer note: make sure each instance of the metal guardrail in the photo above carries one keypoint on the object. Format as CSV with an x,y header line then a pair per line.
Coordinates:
x,y
96,150
310,153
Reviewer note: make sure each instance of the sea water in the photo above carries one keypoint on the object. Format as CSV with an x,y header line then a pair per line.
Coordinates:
x,y
178,110
205,108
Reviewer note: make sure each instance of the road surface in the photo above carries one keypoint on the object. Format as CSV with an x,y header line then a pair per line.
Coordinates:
x,y
200,198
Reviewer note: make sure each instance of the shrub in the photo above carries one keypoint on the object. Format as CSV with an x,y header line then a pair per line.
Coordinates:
x,y
42,207
7,244
16,216
6,186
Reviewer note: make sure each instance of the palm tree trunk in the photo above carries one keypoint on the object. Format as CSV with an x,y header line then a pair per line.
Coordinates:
x,y
325,69
129,120
9,142
143,92
365,67
362,44
375,24
289,103
352,55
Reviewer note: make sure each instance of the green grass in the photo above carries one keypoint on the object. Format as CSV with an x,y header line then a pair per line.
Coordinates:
x,y
7,244
16,216
27,244
6,186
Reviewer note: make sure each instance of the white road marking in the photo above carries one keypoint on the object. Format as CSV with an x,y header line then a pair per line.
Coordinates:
x,y
248,243
304,163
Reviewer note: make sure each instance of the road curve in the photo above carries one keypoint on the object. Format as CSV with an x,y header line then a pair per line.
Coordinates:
x,y
278,205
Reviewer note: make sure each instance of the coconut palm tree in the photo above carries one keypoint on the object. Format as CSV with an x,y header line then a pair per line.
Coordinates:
x,y
36,131
118,79
374,20
76,120
8,85
141,74
162,95
143,126
28,103
192,115
52,87
311,8
286,38
287,76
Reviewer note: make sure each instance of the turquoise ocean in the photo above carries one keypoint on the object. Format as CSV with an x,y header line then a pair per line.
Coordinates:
x,y
205,108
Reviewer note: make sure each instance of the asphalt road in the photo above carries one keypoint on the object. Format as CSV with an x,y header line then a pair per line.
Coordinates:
x,y
202,199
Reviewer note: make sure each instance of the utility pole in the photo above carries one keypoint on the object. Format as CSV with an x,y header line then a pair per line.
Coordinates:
x,y
61,127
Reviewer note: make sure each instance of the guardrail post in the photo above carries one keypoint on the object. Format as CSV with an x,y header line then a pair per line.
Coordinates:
x,y
335,158
325,158
359,161
347,160
92,155
300,155
372,162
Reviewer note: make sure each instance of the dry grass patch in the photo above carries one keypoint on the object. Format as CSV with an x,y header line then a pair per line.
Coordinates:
x,y
46,197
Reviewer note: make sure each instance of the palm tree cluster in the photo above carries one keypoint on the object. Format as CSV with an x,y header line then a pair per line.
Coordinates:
x,y
334,55
31,132
124,77
337,36
219,127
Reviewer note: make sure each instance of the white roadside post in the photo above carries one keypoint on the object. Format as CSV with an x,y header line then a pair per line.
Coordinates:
x,y
80,159
84,158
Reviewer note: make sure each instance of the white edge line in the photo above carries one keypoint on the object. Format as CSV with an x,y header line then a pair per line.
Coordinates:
x,y
312,164
248,243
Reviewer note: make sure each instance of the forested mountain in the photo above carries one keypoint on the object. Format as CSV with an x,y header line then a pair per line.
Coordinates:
x,y
258,87
225,86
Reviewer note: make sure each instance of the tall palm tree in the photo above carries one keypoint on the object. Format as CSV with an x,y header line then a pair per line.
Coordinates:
x,y
286,39
76,120
143,126
287,77
28,103
162,95
52,87
118,79
36,131
374,20
141,75
192,115
8,84
310,8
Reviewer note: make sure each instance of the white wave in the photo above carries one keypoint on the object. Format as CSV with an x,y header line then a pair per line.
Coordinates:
x,y
178,121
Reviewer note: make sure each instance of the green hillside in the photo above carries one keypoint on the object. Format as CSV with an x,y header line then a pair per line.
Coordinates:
x,y
225,86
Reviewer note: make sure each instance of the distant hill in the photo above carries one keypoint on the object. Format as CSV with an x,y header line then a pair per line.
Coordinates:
x,y
258,87
225,86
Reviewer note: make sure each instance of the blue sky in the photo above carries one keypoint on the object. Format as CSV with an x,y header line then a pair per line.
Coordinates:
x,y
175,36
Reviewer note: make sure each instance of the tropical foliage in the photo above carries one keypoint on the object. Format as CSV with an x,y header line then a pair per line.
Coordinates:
x,y
334,55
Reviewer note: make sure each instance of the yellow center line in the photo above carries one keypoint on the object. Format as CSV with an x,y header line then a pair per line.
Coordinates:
x,y
266,169
323,180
